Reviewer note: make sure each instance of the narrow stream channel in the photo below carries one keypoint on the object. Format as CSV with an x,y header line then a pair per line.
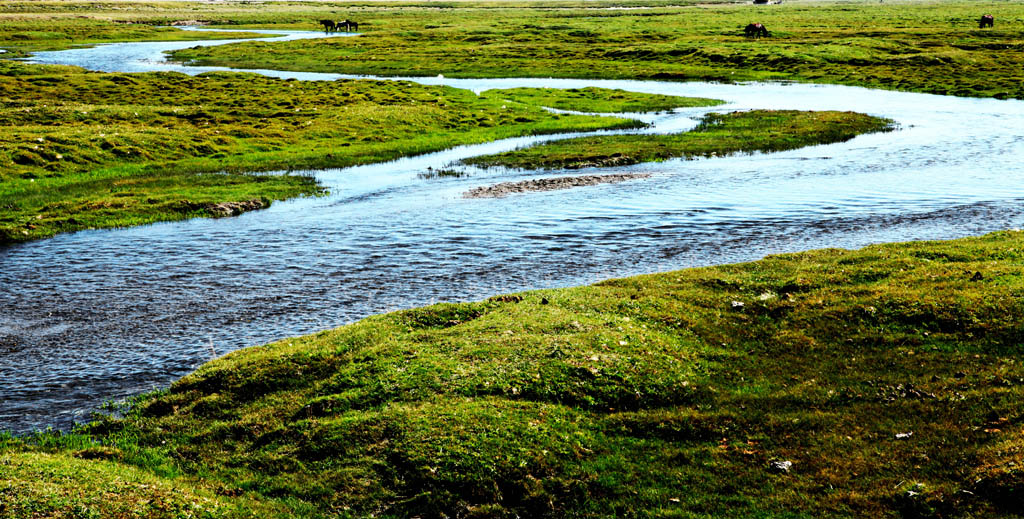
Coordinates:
x,y
99,315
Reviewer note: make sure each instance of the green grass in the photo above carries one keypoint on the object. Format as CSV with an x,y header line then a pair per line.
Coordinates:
x,y
930,46
717,135
664,395
43,26
85,485
83,150
598,100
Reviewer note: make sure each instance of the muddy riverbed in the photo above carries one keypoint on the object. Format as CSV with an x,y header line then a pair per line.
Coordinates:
x,y
548,184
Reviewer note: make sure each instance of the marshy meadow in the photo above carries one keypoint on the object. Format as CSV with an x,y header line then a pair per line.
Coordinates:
x,y
499,259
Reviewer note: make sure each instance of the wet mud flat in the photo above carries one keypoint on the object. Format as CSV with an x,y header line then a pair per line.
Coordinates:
x,y
549,184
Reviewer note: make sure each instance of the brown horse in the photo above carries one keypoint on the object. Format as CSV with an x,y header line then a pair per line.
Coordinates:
x,y
350,26
329,25
987,20
755,30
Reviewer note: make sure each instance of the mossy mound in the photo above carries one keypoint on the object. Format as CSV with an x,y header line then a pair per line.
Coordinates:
x,y
889,377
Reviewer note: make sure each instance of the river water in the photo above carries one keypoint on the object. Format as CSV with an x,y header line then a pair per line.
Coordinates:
x,y
100,315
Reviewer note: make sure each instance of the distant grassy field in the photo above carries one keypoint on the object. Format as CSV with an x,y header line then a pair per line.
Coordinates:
x,y
35,26
85,150
919,45
717,135
930,46
889,377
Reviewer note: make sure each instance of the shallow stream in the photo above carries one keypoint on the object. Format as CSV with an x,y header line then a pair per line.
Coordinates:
x,y
99,315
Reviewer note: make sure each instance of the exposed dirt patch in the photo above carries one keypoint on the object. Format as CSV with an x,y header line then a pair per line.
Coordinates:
x,y
235,208
548,184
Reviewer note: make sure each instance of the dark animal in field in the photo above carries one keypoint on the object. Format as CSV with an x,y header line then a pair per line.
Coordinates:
x,y
329,25
755,30
987,20
349,25
756,2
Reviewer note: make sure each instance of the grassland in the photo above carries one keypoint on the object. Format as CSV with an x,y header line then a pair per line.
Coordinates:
x,y
889,376
40,26
85,150
597,100
716,135
925,46
60,170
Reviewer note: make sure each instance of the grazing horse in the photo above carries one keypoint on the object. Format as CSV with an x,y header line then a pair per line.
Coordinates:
x,y
987,20
329,25
755,30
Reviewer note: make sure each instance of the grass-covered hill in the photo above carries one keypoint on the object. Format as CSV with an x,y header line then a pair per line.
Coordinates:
x,y
889,377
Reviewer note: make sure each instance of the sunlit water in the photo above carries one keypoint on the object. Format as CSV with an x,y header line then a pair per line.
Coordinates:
x,y
100,315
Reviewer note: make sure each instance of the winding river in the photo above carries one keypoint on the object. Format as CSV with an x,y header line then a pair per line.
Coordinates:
x,y
100,315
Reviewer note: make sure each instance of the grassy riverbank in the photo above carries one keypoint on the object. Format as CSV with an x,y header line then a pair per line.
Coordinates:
x,y
888,376
85,150
930,46
42,26
717,135
597,100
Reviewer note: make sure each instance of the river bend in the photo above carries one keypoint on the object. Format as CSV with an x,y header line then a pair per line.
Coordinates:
x,y
99,315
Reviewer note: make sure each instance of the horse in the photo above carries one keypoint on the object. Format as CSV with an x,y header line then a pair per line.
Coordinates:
x,y
755,30
987,20
329,25
350,26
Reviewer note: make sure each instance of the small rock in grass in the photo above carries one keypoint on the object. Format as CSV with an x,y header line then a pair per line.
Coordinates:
x,y
904,436
780,467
